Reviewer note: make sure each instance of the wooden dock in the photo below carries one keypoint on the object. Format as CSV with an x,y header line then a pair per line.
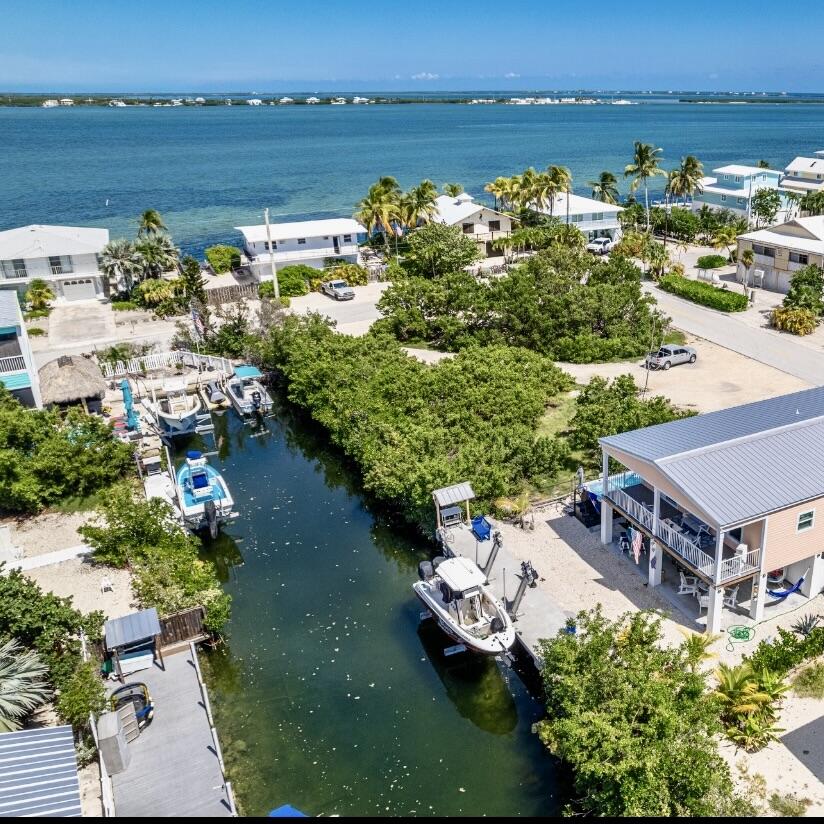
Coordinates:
x,y
538,616
176,767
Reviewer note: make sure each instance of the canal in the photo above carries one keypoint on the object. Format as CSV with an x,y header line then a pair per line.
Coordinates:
x,y
328,695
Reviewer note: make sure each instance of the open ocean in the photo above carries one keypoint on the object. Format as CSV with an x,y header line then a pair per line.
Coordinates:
x,y
209,169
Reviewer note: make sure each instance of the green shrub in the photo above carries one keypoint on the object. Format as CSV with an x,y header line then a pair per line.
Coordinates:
x,y
80,695
267,290
36,332
789,805
806,290
223,258
796,321
704,293
809,683
34,314
124,305
787,651
294,280
353,274
711,262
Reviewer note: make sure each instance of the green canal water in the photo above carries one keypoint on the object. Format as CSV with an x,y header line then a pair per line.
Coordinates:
x,y
327,693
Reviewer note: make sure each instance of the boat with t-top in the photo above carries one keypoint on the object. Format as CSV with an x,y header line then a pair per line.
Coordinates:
x,y
246,392
203,497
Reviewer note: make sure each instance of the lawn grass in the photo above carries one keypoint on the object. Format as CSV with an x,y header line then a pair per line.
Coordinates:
x,y
809,683
676,337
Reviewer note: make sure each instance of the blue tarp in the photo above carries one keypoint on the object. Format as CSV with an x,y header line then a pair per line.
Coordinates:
x,y
481,528
248,372
287,811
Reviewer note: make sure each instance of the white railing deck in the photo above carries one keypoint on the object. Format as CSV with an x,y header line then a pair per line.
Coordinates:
x,y
162,360
14,363
308,253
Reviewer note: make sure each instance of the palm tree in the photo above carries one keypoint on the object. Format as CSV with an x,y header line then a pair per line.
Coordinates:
x,y
605,188
418,204
159,255
696,648
525,188
747,258
39,294
561,181
122,264
499,188
23,685
725,237
452,189
685,181
155,291
151,223
738,691
644,166
763,164
381,207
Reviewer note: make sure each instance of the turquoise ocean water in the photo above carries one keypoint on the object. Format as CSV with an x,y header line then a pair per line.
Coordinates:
x,y
210,169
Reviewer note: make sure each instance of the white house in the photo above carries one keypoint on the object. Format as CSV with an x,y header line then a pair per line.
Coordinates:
x,y
593,217
67,257
66,101
50,104
805,174
476,220
17,370
309,242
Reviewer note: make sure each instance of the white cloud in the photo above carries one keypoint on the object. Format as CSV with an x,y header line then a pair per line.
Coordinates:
x,y
510,75
425,76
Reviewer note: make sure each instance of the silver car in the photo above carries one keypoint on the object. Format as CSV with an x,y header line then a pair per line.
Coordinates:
x,y
671,355
338,289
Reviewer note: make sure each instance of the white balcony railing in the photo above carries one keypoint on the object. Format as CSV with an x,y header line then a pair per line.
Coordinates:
x,y
741,565
344,250
14,363
687,549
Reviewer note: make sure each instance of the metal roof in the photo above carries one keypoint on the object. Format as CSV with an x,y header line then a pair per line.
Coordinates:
x,y
38,241
302,229
10,314
38,773
453,494
131,628
741,463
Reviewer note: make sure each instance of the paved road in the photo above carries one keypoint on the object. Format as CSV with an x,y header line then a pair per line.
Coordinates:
x,y
353,317
762,344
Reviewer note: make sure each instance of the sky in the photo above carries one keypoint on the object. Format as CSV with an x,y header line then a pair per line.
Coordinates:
x,y
329,45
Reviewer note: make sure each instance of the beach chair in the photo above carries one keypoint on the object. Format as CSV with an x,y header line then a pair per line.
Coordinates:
x,y
731,598
689,584
106,585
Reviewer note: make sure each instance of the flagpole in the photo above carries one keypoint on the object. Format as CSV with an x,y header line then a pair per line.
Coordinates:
x,y
271,255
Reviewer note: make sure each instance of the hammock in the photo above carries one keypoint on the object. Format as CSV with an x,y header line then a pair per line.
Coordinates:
x,y
781,594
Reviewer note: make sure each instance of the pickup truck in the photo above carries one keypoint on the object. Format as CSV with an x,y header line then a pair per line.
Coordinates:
x,y
668,356
337,289
601,245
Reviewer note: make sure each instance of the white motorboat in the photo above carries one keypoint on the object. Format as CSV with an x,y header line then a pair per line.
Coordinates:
x,y
177,413
246,392
457,594
202,495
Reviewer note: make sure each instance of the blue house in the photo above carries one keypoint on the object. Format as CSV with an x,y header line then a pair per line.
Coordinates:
x,y
732,187
17,370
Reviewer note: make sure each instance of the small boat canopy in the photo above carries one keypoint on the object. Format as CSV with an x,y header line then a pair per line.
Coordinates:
x,y
460,574
248,372
458,493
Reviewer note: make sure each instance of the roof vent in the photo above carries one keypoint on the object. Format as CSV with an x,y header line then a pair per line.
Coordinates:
x,y
463,197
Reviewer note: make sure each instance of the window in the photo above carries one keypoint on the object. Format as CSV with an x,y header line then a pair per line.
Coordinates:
x,y
726,177
723,198
805,521
767,251
576,218
270,247
61,265
494,225
598,216
468,228
740,201
15,268
738,178
763,177
301,241
797,257
347,238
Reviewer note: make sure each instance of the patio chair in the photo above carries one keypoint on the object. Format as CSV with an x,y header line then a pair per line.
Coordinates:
x,y
689,584
106,585
731,598
703,602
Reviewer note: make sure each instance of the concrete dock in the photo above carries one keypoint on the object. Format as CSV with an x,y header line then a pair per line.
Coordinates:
x,y
176,767
538,616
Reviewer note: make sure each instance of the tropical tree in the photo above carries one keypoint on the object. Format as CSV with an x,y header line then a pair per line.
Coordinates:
x,y
685,181
381,208
159,255
763,164
605,188
813,203
39,294
747,259
696,648
122,264
452,189
725,237
418,204
644,166
501,190
156,291
437,249
150,224
560,181
192,283
23,685
765,204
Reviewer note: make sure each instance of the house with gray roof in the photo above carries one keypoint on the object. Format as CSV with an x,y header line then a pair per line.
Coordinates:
x,y
18,372
731,497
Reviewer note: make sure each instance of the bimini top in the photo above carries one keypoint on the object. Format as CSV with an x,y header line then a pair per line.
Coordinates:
x,y
460,574
455,494
741,463
247,371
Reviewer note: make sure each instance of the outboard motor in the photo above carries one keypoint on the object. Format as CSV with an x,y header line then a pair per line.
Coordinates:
x,y
425,570
256,399
437,561
210,511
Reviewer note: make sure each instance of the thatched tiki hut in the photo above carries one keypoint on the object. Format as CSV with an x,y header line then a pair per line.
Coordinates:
x,y
72,379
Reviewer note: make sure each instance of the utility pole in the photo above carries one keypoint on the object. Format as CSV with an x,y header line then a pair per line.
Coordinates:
x,y
271,254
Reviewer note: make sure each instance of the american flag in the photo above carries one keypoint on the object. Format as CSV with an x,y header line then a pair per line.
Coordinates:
x,y
197,322
637,541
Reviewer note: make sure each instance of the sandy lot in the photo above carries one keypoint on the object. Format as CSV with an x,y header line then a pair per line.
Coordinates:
x,y
718,379
48,532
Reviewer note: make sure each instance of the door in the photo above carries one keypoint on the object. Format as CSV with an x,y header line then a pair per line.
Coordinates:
x,y
79,289
336,244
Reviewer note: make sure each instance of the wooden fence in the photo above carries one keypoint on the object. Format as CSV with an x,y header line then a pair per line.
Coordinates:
x,y
183,626
230,294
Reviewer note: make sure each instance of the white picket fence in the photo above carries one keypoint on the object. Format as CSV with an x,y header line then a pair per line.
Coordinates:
x,y
163,360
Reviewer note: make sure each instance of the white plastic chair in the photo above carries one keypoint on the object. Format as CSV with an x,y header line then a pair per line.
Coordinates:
x,y
106,584
731,597
689,584
703,602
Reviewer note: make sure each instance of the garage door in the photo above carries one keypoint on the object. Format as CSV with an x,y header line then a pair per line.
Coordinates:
x,y
80,289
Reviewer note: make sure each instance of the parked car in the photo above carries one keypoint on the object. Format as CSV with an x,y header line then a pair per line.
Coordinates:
x,y
669,355
337,289
601,245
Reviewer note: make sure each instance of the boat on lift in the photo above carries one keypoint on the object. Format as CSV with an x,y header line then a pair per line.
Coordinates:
x,y
246,392
456,592
213,397
178,412
203,497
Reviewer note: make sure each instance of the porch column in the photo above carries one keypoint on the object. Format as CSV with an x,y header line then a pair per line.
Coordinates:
x,y
760,580
656,554
606,508
716,592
